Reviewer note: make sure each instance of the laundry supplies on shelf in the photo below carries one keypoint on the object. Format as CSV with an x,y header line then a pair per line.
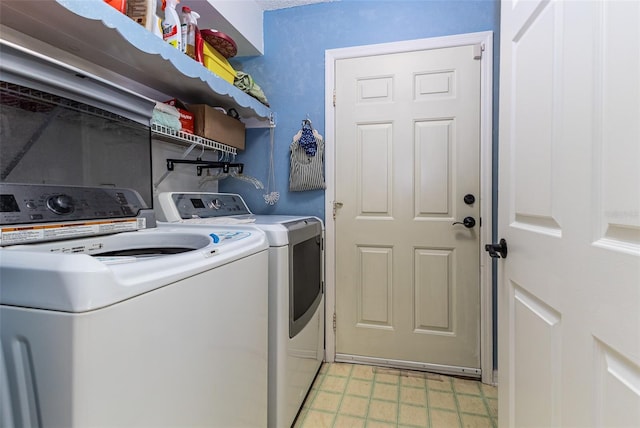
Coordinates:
x,y
171,32
144,12
245,82
189,32
167,116
216,63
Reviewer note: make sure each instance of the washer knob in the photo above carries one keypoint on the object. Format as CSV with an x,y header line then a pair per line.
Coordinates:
x,y
60,204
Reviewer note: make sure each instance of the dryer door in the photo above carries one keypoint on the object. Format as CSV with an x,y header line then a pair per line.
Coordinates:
x,y
305,272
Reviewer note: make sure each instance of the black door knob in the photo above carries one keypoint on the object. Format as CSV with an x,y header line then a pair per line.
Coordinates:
x,y
469,199
468,222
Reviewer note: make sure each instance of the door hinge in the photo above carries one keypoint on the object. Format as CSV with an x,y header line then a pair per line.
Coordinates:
x,y
334,97
334,322
477,51
336,206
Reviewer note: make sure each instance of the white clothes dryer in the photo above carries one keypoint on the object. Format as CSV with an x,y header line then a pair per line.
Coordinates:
x,y
145,327
296,288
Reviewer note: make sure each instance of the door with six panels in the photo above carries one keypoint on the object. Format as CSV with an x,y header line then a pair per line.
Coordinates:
x,y
407,154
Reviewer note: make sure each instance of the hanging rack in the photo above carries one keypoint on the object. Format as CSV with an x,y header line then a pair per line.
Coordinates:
x,y
202,164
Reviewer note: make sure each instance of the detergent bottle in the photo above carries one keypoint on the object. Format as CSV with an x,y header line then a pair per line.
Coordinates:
x,y
144,13
155,26
189,31
171,25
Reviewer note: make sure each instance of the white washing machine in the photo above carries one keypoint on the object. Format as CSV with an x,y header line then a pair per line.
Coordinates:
x,y
296,295
145,327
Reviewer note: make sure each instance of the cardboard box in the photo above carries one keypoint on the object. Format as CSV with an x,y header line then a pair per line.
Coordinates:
x,y
186,117
217,126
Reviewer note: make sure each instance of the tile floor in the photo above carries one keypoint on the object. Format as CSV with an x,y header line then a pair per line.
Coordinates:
x,y
354,395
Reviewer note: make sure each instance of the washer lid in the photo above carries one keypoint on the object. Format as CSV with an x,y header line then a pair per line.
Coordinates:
x,y
85,274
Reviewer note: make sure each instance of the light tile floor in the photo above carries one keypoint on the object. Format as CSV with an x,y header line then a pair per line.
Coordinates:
x,y
354,395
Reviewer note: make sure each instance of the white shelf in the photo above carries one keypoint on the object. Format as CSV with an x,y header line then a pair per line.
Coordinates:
x,y
172,136
93,36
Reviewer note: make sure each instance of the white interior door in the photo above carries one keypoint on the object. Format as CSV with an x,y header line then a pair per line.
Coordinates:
x,y
569,293
407,153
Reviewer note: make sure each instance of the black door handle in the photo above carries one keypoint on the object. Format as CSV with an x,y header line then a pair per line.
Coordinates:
x,y
468,222
497,250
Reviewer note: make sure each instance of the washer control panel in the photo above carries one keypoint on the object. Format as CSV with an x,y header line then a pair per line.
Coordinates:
x,y
33,203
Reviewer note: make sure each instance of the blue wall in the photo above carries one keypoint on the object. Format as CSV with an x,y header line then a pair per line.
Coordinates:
x,y
291,72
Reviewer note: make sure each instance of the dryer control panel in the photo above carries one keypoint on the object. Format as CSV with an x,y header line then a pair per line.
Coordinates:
x,y
173,206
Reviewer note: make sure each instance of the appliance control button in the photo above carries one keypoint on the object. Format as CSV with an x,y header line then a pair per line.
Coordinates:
x,y
60,204
215,204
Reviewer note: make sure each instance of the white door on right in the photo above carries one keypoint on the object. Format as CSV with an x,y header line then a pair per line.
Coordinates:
x,y
569,289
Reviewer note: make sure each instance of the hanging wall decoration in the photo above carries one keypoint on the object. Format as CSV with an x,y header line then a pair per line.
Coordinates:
x,y
271,196
307,160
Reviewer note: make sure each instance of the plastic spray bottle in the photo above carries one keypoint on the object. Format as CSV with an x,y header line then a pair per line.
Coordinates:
x,y
171,25
157,17
189,31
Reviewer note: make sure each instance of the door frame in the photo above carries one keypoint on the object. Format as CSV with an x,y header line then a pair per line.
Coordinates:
x,y
485,40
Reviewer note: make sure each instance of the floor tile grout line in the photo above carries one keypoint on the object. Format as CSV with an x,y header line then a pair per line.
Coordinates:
x,y
486,404
426,399
494,421
370,397
455,399
426,392
335,416
370,381
398,400
373,389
